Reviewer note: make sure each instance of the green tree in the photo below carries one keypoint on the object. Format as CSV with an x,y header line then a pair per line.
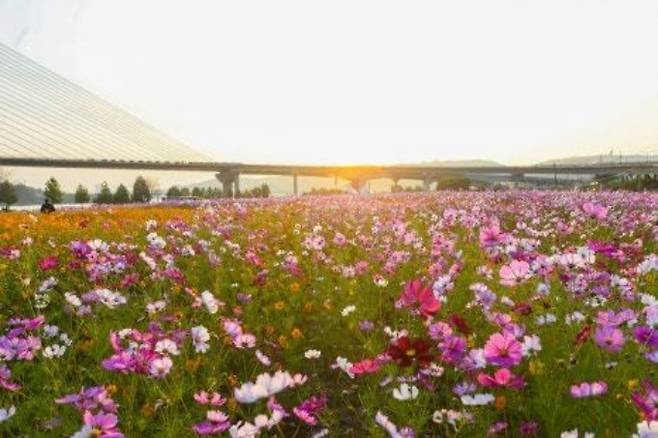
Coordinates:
x,y
265,190
7,194
198,192
453,182
185,191
81,195
105,195
141,190
173,192
122,195
53,191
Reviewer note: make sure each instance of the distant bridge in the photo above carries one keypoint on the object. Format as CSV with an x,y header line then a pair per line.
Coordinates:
x,y
358,175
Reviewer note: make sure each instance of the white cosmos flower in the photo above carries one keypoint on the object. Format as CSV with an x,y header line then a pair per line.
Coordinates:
x,y
479,399
54,350
405,392
348,309
312,354
167,346
72,299
343,364
155,307
200,338
531,344
243,430
266,385
6,414
210,302
574,434
109,298
250,392
387,424
85,432
262,358
646,429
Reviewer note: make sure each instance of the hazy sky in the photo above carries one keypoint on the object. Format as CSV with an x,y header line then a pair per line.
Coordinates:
x,y
363,81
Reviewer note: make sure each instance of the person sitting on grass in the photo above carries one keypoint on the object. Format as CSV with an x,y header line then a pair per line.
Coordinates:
x,y
47,207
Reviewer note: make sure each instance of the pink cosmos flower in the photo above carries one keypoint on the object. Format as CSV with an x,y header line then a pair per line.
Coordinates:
x,y
439,330
503,349
366,366
245,340
102,425
5,382
497,427
213,398
588,389
609,338
610,318
415,294
514,273
339,239
491,236
92,399
595,211
159,368
502,378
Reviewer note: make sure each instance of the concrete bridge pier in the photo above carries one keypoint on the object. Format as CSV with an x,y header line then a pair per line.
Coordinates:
x,y
295,187
358,184
427,184
236,185
230,182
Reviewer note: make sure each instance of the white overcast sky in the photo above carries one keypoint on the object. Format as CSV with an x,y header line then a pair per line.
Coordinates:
x,y
363,81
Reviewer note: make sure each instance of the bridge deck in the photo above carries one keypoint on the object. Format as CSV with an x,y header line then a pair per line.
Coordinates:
x,y
355,171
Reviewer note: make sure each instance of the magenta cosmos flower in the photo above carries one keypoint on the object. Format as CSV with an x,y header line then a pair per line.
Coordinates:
x,y
514,273
48,263
647,401
216,423
503,349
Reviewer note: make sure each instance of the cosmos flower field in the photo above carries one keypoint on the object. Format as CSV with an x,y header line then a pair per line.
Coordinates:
x,y
445,314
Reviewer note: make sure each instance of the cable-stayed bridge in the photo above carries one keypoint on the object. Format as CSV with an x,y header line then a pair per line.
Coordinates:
x,y
48,121
44,116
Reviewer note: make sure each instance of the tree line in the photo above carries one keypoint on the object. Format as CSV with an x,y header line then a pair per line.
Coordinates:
x,y
53,192
635,183
262,191
142,192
